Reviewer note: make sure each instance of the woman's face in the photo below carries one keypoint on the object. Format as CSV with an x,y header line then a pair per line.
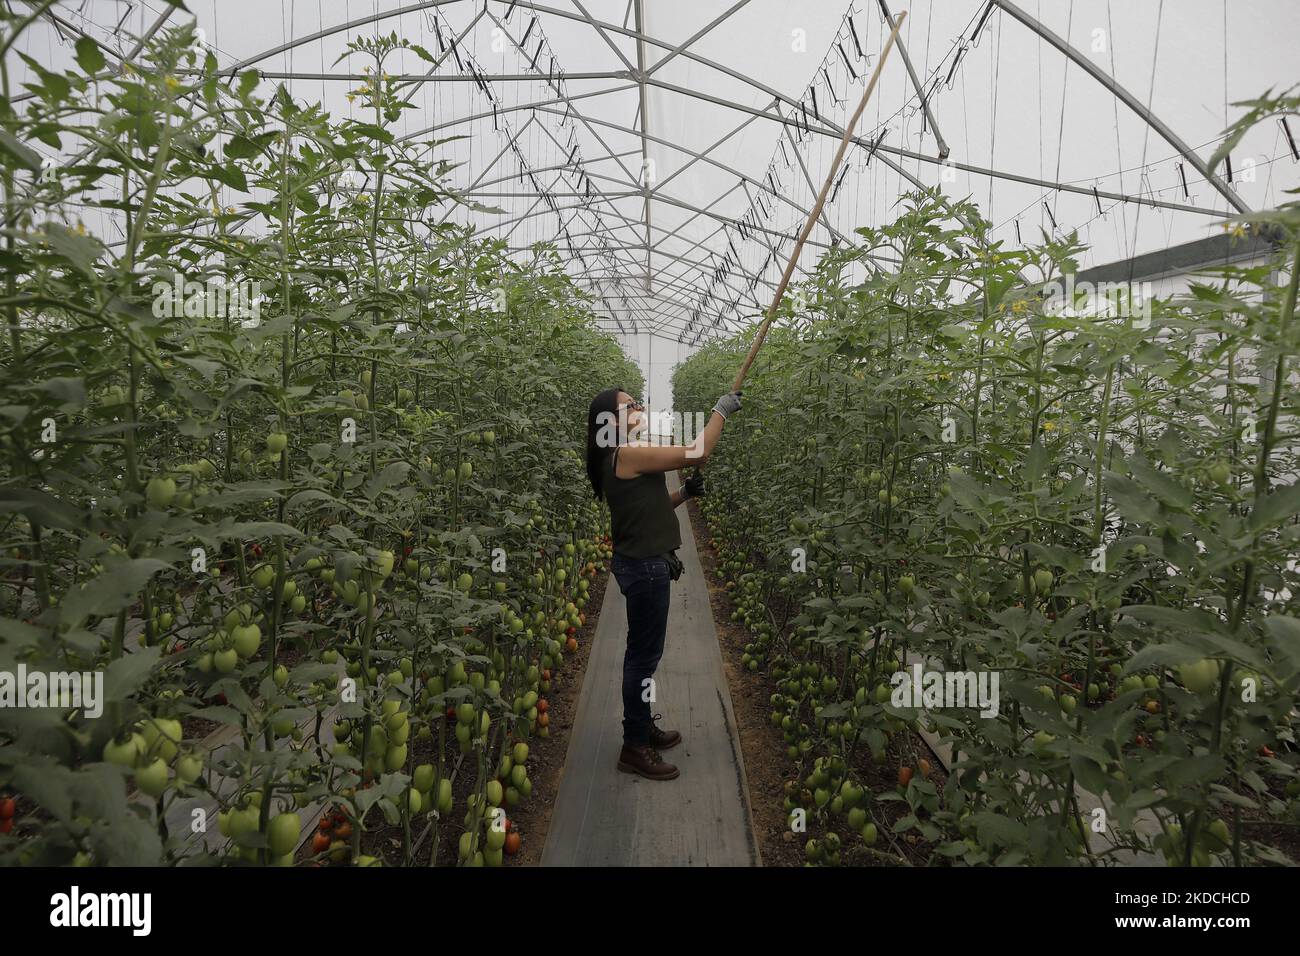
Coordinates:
x,y
631,415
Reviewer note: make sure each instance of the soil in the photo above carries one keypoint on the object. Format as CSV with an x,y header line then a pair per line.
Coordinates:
x,y
767,769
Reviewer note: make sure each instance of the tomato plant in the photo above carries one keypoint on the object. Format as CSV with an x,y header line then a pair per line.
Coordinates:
x,y
350,532
936,467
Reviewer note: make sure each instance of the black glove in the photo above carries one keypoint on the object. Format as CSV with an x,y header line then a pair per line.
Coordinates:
x,y
693,487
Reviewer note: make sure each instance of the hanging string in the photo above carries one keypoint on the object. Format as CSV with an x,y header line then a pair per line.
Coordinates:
x,y
1065,81
1119,158
993,125
1146,135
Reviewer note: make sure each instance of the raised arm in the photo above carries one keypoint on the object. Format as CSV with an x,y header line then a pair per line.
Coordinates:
x,y
636,460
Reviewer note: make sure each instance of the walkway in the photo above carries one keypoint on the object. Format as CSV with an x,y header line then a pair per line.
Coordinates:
x,y
606,818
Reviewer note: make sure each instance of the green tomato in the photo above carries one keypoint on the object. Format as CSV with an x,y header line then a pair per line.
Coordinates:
x,y
160,492
246,639
151,778
225,661
282,833
1201,677
124,752
162,737
263,576
189,768
277,442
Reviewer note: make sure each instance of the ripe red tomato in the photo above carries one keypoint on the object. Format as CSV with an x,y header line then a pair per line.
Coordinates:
x,y
543,705
904,776
513,840
6,826
320,842
7,808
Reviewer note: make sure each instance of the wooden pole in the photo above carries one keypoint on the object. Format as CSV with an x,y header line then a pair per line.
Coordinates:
x,y
816,210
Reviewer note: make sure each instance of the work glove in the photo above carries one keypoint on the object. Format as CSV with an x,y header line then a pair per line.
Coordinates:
x,y
728,404
693,487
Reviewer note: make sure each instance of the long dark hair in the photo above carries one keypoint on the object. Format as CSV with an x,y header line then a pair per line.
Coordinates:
x,y
604,404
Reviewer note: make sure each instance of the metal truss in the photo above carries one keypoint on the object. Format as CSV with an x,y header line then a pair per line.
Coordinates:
x,y
669,282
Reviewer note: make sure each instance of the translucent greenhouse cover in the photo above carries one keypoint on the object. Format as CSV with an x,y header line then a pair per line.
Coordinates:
x,y
673,148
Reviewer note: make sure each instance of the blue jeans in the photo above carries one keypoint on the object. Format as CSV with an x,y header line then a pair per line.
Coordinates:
x,y
646,584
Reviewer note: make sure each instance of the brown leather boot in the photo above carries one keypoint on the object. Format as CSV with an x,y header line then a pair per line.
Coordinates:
x,y
662,739
645,760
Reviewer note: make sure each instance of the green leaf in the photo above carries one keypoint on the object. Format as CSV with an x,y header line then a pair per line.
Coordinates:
x,y
392,474
117,587
89,57
248,81
994,829
41,508
1277,507
1284,634
19,152
126,674
240,147
1187,621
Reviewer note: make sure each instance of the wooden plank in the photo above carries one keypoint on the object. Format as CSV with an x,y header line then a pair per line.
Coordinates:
x,y
606,818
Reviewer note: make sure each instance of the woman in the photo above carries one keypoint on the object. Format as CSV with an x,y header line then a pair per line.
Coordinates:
x,y
629,475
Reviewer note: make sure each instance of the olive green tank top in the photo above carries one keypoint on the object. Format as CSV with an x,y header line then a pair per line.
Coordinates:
x,y
642,522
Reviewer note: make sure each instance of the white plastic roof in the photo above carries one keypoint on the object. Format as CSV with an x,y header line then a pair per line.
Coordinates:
x,y
670,135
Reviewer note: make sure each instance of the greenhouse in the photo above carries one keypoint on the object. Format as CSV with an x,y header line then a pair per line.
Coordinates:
x,y
639,433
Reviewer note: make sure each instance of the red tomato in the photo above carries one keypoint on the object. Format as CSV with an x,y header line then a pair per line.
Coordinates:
x,y
904,776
